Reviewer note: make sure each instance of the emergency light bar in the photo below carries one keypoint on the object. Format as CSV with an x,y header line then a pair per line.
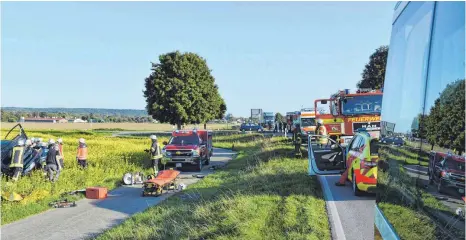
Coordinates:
x,y
361,130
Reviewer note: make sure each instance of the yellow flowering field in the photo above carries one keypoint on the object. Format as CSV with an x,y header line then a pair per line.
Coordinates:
x,y
108,160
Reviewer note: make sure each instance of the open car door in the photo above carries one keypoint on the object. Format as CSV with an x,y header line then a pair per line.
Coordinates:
x,y
326,159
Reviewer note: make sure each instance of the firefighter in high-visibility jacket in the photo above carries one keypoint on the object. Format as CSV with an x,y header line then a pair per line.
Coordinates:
x,y
81,156
155,153
322,131
17,160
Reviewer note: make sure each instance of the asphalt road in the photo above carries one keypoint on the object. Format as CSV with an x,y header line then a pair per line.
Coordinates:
x,y
350,217
91,217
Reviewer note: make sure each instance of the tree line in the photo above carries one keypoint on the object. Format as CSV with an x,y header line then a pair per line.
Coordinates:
x,y
15,116
444,124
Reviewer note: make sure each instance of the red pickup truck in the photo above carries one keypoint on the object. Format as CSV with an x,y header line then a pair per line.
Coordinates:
x,y
191,147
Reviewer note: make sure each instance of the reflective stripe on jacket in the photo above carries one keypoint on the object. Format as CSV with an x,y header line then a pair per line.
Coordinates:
x,y
82,152
17,157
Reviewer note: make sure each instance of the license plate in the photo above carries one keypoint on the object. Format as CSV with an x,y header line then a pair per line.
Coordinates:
x,y
461,190
178,165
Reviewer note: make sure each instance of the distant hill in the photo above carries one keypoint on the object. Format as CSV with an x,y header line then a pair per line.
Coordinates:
x,y
81,111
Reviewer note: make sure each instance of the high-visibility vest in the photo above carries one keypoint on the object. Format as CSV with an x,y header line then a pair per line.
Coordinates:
x,y
82,152
17,157
158,153
323,131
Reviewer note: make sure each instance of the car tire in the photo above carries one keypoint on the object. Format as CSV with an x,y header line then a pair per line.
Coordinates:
x,y
356,190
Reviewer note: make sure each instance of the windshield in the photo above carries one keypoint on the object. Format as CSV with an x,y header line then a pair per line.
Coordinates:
x,y
362,105
307,122
185,140
454,165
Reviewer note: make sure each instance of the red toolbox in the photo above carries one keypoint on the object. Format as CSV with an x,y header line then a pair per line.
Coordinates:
x,y
96,192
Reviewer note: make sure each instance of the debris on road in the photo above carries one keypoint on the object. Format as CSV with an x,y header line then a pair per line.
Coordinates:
x,y
63,204
198,175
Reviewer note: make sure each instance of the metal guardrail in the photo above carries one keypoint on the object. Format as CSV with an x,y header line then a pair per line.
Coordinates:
x,y
386,230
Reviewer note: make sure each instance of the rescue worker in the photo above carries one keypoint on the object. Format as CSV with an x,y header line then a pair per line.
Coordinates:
x,y
43,152
155,153
322,131
28,143
52,162
297,141
81,156
36,144
60,148
17,159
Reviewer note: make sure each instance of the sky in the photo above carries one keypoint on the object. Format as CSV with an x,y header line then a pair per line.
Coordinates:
x,y
277,56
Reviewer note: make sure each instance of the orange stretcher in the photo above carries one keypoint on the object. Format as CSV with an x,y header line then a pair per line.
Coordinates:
x,y
166,179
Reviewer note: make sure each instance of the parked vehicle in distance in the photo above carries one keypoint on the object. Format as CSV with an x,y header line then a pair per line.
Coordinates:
x,y
393,140
447,172
191,147
251,127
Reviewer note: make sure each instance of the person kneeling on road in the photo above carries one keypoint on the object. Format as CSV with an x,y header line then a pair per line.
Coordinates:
x,y
81,156
52,161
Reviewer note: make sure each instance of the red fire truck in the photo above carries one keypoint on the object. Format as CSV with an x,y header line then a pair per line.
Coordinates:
x,y
348,112
191,147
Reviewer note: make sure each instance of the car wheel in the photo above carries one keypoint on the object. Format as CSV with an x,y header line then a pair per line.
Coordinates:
x,y
356,190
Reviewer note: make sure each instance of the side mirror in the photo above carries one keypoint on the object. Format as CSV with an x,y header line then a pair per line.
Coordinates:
x,y
334,146
165,142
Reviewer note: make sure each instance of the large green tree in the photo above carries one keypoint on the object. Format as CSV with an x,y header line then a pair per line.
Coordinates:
x,y
181,90
445,124
279,117
373,75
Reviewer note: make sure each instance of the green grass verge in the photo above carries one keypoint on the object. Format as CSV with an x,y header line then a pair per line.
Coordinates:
x,y
408,223
259,195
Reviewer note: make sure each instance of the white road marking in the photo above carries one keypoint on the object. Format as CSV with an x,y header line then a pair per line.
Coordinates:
x,y
333,212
